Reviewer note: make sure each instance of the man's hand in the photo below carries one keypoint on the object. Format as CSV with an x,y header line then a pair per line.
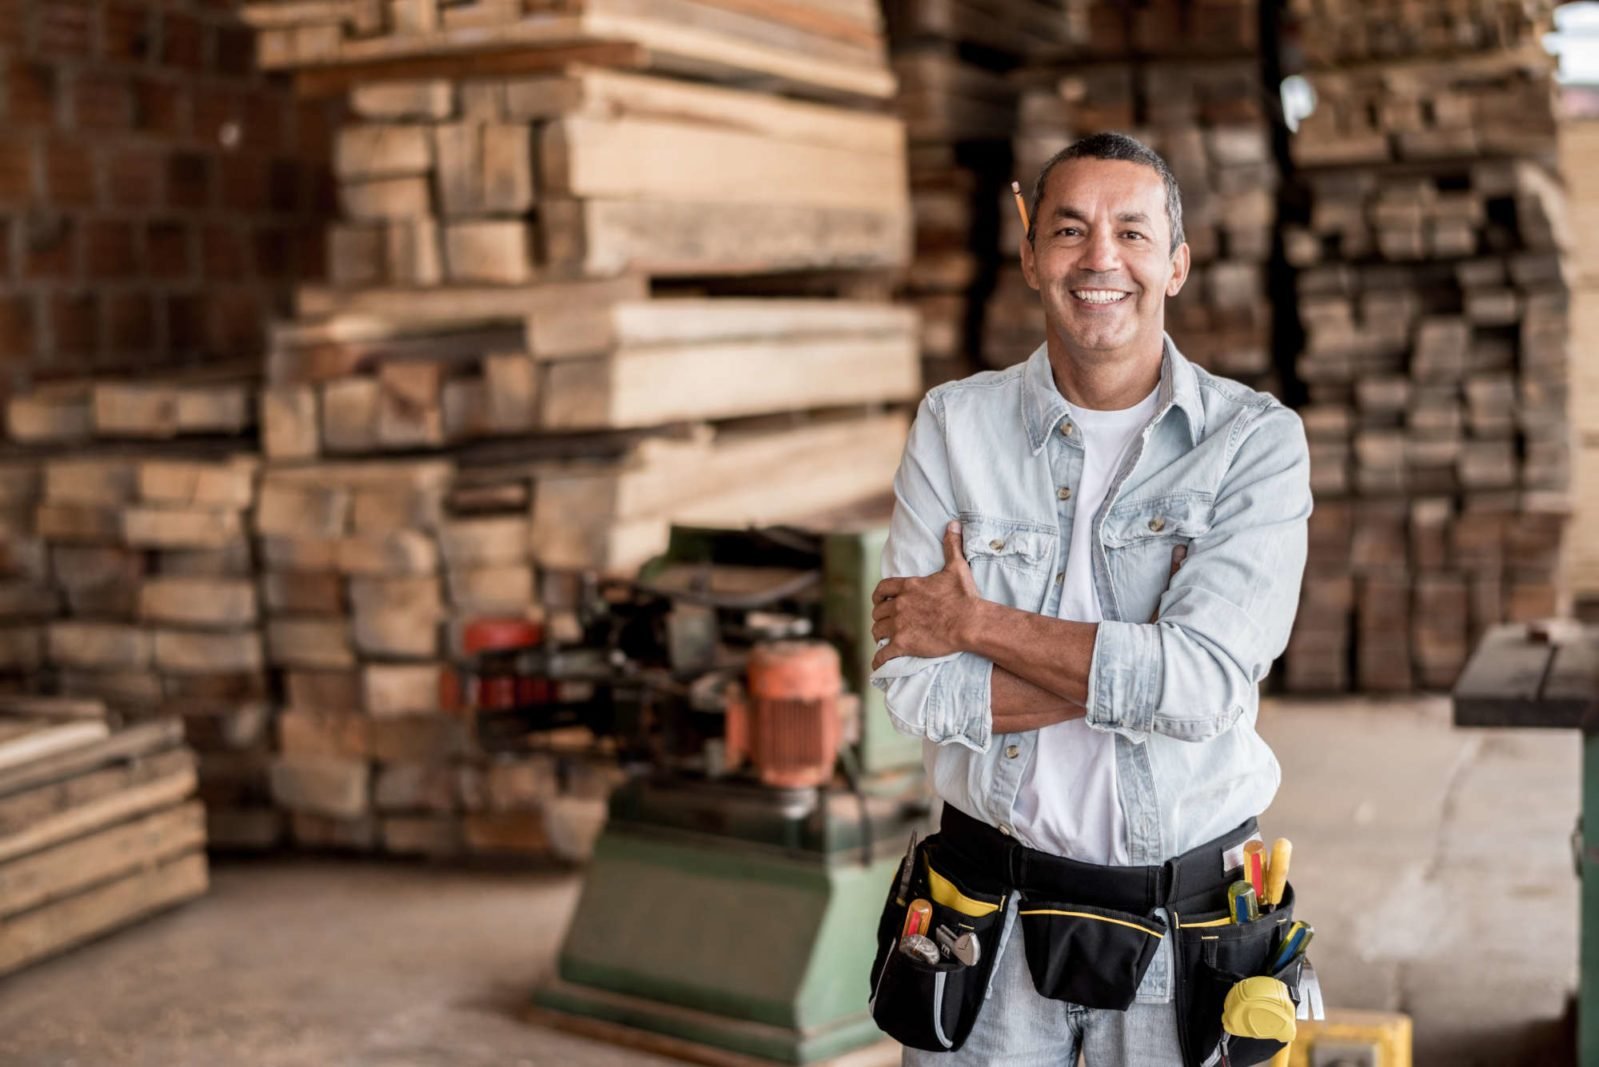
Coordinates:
x,y
926,617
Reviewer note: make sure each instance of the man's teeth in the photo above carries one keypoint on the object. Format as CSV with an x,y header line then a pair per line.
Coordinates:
x,y
1098,296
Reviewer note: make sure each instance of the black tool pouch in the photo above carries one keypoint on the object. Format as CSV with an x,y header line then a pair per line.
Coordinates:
x,y
934,1006
1211,959
1095,957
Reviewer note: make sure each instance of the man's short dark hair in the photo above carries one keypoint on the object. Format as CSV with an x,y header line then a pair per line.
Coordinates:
x,y
1114,146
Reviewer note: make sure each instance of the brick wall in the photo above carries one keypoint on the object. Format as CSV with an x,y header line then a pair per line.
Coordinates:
x,y
158,195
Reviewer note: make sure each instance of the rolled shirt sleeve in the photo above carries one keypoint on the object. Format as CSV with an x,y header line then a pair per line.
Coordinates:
x,y
945,699
1228,611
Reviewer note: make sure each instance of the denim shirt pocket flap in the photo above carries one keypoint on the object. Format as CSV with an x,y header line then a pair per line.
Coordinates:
x,y
1186,516
1006,543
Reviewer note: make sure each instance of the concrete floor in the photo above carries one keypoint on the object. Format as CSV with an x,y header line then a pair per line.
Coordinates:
x,y
1434,864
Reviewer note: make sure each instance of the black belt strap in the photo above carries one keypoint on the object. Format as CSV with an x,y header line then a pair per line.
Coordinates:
x,y
1198,875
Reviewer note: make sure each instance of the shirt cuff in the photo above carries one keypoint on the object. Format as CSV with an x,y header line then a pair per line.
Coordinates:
x,y
959,708
1125,678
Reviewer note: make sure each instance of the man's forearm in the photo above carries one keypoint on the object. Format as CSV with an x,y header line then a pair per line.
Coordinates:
x,y
1018,705
1041,665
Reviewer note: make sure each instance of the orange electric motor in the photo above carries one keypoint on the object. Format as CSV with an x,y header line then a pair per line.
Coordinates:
x,y
785,720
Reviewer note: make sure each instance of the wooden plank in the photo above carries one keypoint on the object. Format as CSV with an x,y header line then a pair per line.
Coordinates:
x,y
101,811
607,237
453,304
659,161
25,808
652,387
138,740
24,740
223,602
1572,685
70,867
29,706
608,95
59,926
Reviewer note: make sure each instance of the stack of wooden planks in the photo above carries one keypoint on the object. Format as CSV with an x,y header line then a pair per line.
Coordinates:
x,y
599,267
1433,296
1184,77
140,576
952,60
1579,166
823,47
369,579
98,826
1335,32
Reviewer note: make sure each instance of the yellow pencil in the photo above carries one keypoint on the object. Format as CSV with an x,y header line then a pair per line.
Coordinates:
x,y
1021,205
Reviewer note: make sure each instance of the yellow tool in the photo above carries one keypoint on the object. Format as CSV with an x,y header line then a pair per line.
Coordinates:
x,y
1282,850
1259,1007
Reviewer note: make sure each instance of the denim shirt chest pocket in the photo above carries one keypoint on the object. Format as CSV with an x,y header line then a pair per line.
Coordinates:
x,y
1140,537
1010,559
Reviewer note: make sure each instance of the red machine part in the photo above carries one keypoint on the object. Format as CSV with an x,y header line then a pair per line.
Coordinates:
x,y
787,721
498,683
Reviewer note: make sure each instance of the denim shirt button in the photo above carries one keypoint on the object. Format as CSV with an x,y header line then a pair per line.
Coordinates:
x,y
1004,828
996,544
1157,524
1012,751
1065,429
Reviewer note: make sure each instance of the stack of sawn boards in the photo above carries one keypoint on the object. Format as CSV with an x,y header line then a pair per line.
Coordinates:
x,y
1184,77
98,826
1579,166
599,268
953,60
128,551
1434,301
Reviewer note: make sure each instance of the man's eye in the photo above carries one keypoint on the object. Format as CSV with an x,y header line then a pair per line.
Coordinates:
x,y
1134,233
1066,231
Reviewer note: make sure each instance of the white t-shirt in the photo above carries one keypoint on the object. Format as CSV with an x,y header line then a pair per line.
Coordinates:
x,y
1068,804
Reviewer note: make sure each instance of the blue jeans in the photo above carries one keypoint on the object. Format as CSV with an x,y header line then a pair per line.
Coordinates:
x,y
1019,1028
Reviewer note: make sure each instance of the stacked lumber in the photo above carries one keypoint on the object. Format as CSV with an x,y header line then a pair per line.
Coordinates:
x,y
952,59
1432,291
151,565
1339,32
811,46
1579,166
369,580
1184,78
138,564
99,827
572,297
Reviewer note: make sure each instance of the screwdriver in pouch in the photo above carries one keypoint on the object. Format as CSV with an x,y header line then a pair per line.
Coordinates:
x,y
1242,905
1255,866
1282,850
905,871
918,919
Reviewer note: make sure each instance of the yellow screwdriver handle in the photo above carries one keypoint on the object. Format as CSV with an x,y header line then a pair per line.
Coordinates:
x,y
1282,851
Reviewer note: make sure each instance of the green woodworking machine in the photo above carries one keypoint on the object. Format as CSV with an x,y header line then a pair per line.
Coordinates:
x,y
733,895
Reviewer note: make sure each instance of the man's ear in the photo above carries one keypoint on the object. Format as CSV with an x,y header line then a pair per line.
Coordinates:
x,y
1029,263
1179,274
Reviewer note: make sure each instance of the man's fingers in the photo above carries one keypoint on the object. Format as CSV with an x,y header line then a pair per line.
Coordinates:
x,y
882,629
886,653
886,588
884,610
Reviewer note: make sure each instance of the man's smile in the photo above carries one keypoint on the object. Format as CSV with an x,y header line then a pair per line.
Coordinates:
x,y
1100,296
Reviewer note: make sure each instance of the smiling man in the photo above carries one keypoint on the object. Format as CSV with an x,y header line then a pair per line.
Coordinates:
x,y
1094,558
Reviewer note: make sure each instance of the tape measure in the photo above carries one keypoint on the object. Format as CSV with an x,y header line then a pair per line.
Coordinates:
x,y
1259,1007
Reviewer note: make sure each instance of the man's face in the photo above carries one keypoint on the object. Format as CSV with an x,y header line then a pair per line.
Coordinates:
x,y
1101,255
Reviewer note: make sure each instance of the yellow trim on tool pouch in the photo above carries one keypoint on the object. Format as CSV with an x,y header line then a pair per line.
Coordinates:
x,y
1089,915
1223,921
943,891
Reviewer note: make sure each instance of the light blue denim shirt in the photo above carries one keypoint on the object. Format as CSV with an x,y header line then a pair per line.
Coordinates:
x,y
1220,468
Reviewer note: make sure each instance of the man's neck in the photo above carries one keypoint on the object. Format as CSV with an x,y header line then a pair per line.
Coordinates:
x,y
1102,381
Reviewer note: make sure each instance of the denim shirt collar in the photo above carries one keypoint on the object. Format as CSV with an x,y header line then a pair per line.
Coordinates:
x,y
1043,406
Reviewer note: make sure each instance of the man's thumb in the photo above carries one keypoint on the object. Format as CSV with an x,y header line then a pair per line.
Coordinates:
x,y
953,548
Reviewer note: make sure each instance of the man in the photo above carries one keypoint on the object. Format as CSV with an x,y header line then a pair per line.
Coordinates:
x,y
1094,558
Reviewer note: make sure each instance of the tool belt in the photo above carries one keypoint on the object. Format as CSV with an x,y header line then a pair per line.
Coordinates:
x,y
1089,931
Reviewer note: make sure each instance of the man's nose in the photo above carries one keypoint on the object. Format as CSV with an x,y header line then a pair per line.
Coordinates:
x,y
1101,252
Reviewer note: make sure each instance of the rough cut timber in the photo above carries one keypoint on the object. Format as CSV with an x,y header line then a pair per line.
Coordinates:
x,y
94,834
825,48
